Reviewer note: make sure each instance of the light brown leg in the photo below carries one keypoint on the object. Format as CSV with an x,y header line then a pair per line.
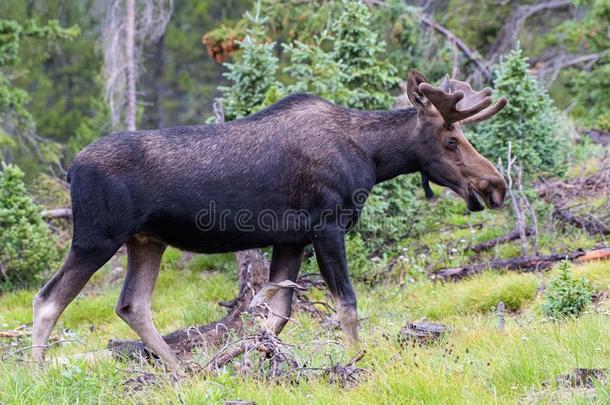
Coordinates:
x,y
65,285
143,261
285,265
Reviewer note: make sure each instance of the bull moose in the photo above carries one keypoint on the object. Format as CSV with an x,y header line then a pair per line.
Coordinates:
x,y
304,155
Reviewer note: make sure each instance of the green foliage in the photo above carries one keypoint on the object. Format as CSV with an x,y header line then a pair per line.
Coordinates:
x,y
352,72
566,296
312,69
584,90
90,128
391,212
360,49
17,126
529,122
26,247
590,89
253,75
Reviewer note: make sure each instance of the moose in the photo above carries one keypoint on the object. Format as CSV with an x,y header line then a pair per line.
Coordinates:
x,y
207,189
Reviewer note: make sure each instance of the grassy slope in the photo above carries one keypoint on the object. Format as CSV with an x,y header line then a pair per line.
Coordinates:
x,y
484,366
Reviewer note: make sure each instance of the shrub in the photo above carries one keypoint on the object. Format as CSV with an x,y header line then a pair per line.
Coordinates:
x,y
253,75
392,212
566,296
26,246
529,121
360,49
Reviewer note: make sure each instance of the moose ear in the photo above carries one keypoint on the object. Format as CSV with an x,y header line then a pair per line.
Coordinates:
x,y
417,98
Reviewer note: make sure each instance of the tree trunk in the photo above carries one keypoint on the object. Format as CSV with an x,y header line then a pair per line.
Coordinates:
x,y
130,73
158,85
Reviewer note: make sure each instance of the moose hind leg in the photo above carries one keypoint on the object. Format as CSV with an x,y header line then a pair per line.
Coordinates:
x,y
285,265
143,261
54,297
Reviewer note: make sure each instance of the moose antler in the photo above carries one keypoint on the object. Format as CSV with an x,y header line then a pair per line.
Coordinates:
x,y
487,113
457,101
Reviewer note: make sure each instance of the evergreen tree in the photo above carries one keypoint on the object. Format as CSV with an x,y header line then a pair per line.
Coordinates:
x,y
17,126
529,121
253,74
359,49
313,70
26,247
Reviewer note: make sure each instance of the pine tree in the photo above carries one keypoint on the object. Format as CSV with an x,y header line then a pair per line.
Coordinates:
x,y
529,121
253,74
359,48
26,247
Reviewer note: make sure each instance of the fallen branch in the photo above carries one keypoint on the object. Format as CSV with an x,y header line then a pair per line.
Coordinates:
x,y
567,196
57,213
587,222
15,333
526,264
512,235
597,254
598,136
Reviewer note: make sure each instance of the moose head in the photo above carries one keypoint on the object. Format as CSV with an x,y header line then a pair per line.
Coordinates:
x,y
446,157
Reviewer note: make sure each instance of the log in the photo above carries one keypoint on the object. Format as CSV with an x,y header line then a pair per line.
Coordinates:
x,y
525,264
512,235
599,137
589,223
592,255
56,213
422,332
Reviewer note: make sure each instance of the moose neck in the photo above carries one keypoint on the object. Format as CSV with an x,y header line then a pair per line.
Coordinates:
x,y
388,138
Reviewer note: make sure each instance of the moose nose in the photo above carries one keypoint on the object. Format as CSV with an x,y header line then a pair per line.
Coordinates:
x,y
496,198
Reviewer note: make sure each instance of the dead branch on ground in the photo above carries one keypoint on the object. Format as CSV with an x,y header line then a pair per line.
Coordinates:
x,y
57,213
598,136
524,264
566,197
489,244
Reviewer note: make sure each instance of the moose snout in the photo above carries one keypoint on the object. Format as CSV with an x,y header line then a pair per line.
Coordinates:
x,y
493,191
496,196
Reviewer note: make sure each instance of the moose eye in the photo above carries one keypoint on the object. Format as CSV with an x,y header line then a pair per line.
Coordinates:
x,y
452,142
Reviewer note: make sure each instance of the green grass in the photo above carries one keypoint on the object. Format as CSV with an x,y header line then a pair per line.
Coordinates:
x,y
475,363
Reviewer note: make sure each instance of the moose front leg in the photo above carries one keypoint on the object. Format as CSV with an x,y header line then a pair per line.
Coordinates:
x,y
285,264
329,246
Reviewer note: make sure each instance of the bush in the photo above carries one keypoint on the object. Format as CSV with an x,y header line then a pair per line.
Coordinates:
x,y
253,75
360,49
566,296
26,246
392,212
529,121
